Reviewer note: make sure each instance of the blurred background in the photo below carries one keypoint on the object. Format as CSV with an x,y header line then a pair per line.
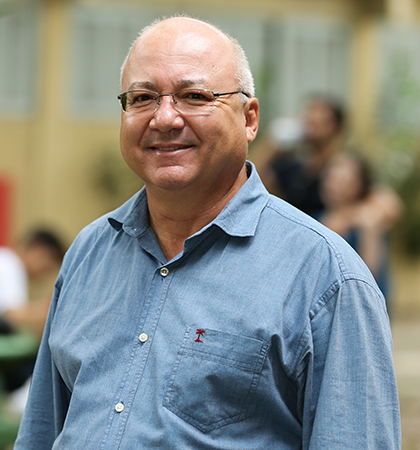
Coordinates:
x,y
60,165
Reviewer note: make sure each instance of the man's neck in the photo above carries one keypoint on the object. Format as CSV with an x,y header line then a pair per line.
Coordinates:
x,y
177,215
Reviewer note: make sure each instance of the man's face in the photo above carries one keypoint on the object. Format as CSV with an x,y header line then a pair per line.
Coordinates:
x,y
167,149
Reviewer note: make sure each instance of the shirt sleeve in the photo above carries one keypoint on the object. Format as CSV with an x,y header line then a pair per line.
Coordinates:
x,y
48,400
350,393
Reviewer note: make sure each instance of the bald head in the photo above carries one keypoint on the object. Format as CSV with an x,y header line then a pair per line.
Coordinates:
x,y
184,26
194,35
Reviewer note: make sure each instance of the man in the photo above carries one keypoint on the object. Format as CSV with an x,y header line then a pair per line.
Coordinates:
x,y
205,313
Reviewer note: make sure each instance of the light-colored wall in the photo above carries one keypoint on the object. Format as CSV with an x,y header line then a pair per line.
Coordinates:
x,y
52,154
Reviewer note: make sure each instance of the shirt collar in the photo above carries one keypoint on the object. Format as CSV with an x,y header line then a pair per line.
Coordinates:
x,y
239,217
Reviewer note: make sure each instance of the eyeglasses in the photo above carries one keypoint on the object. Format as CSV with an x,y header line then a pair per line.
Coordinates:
x,y
186,101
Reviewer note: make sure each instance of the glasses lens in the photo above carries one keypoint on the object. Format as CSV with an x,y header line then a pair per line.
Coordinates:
x,y
140,101
193,100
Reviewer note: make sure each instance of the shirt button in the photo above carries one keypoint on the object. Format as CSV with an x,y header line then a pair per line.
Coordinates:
x,y
143,337
164,271
119,407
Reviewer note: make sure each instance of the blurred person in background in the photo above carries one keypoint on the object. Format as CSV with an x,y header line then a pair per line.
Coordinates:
x,y
295,153
39,259
292,156
356,208
34,262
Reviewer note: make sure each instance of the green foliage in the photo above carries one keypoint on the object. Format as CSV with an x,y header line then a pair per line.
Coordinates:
x,y
408,230
399,123
399,108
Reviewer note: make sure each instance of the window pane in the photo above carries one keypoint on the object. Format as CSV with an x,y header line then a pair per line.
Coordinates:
x,y
101,41
18,38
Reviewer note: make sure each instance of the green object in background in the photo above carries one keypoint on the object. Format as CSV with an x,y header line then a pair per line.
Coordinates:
x,y
14,349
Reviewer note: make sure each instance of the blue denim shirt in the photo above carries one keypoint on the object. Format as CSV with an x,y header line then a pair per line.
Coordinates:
x,y
266,332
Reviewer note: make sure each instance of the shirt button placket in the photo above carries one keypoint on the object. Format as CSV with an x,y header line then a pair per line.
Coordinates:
x,y
145,333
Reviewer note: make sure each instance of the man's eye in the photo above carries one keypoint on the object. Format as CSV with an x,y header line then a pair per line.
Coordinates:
x,y
142,98
196,96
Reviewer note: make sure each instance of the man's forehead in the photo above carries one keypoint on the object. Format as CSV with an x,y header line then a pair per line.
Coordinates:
x,y
183,36
189,58
184,25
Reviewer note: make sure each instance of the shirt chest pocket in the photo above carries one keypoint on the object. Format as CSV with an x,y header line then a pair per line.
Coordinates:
x,y
215,377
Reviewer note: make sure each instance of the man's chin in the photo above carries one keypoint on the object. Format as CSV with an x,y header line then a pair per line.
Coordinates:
x,y
171,178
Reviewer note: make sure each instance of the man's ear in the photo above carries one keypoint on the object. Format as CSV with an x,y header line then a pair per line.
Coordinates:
x,y
252,118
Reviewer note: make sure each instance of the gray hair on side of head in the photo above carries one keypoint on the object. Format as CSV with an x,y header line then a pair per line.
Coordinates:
x,y
243,74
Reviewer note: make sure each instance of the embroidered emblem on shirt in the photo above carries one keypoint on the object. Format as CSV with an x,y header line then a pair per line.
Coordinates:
x,y
200,333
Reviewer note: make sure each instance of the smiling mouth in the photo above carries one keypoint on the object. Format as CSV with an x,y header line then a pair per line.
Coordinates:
x,y
168,149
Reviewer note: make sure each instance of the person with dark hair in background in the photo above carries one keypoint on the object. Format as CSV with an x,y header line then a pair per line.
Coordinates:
x,y
354,208
39,257
35,261
205,313
42,251
292,157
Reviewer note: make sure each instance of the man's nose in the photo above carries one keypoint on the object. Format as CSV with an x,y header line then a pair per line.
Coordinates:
x,y
166,116
161,97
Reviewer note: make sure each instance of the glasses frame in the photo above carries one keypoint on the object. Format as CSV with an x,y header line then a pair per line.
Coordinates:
x,y
123,97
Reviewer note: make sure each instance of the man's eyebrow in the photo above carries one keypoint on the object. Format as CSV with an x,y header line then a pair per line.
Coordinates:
x,y
141,85
188,83
182,84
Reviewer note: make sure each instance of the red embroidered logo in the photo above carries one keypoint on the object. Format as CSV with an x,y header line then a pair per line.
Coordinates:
x,y
200,333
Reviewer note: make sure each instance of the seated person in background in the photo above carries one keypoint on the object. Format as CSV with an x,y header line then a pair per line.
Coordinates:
x,y
359,210
34,269
34,264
